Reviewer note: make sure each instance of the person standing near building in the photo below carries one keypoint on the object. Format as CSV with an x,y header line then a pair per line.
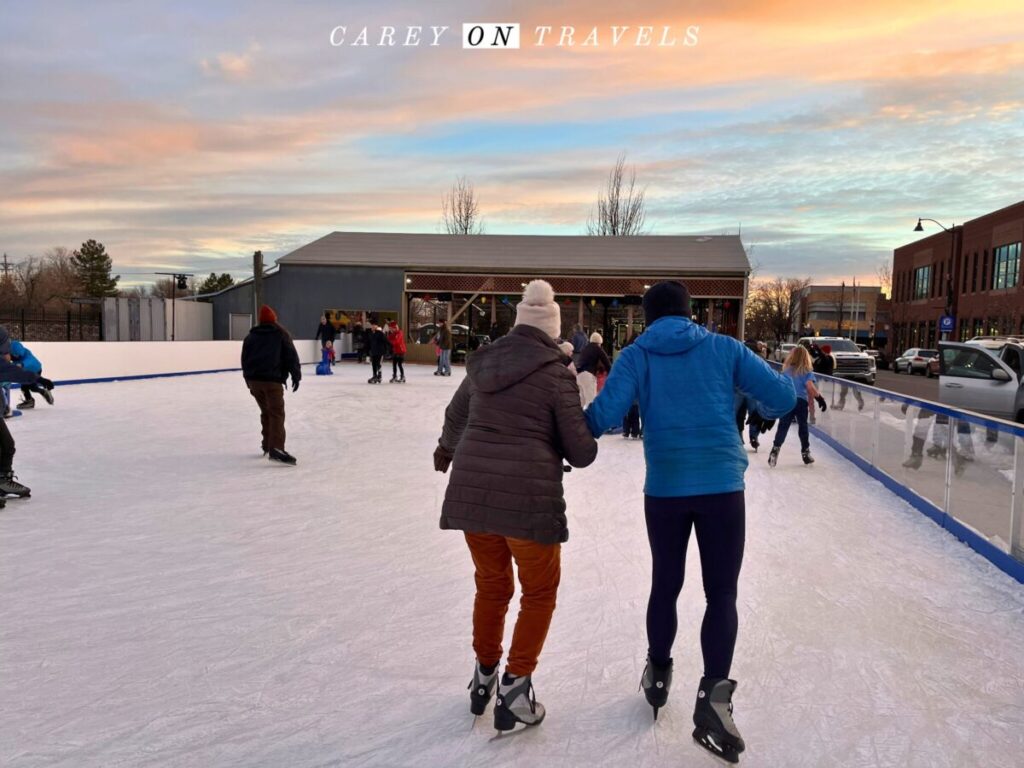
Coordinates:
x,y
579,341
514,418
443,339
359,342
685,378
593,362
398,349
268,359
325,333
377,346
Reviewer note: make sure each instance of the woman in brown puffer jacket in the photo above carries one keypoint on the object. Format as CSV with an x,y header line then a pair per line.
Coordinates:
x,y
514,418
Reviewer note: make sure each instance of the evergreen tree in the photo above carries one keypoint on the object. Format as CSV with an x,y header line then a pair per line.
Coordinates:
x,y
215,283
93,265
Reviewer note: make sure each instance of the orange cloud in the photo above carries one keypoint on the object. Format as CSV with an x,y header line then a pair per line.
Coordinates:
x,y
231,66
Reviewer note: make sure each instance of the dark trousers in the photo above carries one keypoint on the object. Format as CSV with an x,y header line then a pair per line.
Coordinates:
x,y
397,366
6,447
719,520
375,362
631,424
800,414
269,395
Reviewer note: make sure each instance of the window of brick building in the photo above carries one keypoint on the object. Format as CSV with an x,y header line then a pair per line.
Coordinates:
x,y
922,282
931,333
974,274
963,283
1006,266
984,270
979,328
938,283
964,330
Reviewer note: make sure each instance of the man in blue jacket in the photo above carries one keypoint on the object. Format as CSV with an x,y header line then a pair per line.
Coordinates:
x,y
685,379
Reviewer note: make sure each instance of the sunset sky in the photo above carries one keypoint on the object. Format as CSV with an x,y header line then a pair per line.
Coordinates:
x,y
184,135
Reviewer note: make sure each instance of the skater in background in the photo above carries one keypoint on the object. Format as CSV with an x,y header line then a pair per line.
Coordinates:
x,y
326,334
22,357
593,361
359,342
824,364
268,359
323,368
579,341
798,370
685,378
443,340
398,349
378,347
514,418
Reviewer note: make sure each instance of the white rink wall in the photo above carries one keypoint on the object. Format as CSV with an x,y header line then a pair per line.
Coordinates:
x,y
79,361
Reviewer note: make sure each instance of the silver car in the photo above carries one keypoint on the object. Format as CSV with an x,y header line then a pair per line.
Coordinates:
x,y
977,377
914,360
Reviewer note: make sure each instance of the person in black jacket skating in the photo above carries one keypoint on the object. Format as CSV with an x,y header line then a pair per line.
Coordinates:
x,y
379,346
268,359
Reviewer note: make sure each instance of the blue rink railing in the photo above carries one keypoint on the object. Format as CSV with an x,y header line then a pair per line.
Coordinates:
x,y
963,470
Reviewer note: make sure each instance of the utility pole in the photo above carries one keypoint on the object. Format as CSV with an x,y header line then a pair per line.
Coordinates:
x,y
842,308
257,283
6,268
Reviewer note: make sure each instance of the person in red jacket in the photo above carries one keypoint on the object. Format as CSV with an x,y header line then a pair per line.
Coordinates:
x,y
398,350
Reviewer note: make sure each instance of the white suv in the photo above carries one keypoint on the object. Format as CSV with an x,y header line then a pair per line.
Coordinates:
x,y
851,362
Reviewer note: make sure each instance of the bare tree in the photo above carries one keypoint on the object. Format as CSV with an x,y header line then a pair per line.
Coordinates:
x,y
460,211
62,283
884,273
620,207
29,277
774,307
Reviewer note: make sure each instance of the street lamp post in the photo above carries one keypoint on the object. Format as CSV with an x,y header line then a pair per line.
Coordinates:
x,y
949,272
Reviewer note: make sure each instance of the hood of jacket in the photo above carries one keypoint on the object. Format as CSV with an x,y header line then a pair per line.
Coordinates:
x,y
265,328
672,335
512,358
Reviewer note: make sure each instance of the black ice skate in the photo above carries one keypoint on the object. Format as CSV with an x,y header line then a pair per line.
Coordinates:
x,y
516,703
656,681
47,396
754,444
936,452
712,716
24,404
401,380
806,456
481,688
916,454
282,457
9,486
773,457
394,380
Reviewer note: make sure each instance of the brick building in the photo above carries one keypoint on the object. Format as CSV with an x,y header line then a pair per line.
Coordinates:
x,y
860,313
971,271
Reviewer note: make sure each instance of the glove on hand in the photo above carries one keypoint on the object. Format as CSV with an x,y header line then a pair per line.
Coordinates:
x,y
821,403
295,385
442,459
767,425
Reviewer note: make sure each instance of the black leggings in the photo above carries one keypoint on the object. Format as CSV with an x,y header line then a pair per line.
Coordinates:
x,y
719,520
6,447
375,362
397,365
800,414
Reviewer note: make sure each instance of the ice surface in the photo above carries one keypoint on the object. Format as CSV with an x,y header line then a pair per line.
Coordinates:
x,y
169,598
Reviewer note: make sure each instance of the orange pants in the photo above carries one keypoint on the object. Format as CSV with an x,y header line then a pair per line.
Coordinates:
x,y
539,567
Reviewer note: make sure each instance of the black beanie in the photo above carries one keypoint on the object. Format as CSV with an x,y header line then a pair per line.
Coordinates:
x,y
666,298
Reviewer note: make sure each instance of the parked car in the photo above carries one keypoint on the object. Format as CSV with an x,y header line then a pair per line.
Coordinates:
x,y
914,360
782,350
881,361
460,338
851,363
983,376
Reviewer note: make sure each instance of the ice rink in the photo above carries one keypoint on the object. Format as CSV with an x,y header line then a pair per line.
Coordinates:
x,y
170,598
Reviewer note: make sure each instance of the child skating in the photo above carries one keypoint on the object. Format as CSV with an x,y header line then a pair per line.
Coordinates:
x,y
797,369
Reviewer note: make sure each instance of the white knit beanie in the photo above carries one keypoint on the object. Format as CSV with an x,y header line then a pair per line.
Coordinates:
x,y
539,310
566,347
597,338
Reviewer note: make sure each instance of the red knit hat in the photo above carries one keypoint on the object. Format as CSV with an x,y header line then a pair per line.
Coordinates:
x,y
267,315
826,348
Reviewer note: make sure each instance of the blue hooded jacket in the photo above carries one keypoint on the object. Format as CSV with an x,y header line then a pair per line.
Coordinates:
x,y
21,355
685,379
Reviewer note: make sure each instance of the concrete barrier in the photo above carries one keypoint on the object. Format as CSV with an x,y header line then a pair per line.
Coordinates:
x,y
82,362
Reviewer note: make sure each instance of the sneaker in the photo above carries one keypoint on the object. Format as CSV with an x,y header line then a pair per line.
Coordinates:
x,y
26,404
9,486
773,457
516,703
47,396
481,688
282,456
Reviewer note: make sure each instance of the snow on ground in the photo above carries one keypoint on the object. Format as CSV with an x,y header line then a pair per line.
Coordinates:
x,y
169,598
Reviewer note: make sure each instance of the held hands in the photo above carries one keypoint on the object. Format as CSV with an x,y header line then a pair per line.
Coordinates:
x,y
442,459
821,403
